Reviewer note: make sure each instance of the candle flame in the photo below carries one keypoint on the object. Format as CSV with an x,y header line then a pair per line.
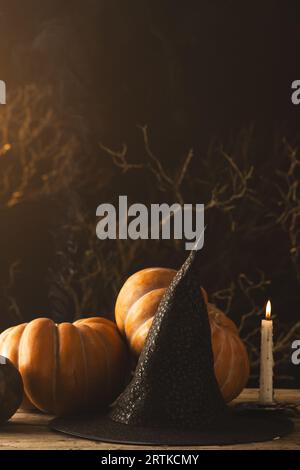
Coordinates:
x,y
268,310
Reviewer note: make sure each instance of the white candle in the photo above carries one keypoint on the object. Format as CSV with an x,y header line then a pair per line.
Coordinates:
x,y
266,359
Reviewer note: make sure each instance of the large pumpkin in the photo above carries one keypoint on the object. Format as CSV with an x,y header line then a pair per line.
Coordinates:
x,y
136,305
67,367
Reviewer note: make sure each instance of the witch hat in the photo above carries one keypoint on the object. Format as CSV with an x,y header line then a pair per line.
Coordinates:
x,y
173,398
174,384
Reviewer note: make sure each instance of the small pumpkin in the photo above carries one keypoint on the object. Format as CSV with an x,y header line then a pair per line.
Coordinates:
x,y
11,389
67,367
136,305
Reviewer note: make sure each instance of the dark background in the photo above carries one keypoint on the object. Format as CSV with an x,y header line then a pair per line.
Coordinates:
x,y
194,71
176,65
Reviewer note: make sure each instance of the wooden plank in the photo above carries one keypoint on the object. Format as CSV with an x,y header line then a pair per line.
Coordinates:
x,y
28,430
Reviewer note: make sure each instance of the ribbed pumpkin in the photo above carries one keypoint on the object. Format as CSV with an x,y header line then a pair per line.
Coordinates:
x,y
67,367
136,305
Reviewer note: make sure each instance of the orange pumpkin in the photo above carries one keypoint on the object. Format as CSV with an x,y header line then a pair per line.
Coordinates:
x,y
136,305
67,367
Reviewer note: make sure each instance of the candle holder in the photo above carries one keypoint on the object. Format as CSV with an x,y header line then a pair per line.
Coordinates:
x,y
283,407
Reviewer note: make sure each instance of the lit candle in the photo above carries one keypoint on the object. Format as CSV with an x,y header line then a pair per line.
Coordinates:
x,y
266,359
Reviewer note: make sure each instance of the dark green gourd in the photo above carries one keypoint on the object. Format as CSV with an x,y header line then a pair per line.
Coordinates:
x,y
174,383
11,389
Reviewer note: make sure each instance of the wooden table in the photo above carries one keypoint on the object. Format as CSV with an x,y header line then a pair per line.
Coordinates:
x,y
30,431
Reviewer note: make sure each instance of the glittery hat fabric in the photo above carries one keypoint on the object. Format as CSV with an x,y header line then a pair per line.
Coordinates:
x,y
174,383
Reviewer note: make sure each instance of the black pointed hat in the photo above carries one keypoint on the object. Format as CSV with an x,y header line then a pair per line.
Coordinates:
x,y
173,398
174,383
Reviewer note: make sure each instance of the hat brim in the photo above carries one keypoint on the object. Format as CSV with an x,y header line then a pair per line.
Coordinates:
x,y
239,427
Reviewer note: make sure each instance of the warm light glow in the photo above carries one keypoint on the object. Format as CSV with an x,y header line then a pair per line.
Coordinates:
x,y
268,310
5,148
